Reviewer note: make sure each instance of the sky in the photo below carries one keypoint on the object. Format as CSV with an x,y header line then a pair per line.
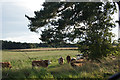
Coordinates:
x,y
15,24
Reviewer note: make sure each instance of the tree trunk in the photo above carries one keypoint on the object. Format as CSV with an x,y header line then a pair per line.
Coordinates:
x,y
119,20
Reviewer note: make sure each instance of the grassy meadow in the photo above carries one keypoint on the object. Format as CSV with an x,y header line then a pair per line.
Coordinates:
x,y
21,62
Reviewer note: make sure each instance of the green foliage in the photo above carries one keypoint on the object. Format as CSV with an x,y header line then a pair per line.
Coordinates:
x,y
89,23
119,40
19,45
116,50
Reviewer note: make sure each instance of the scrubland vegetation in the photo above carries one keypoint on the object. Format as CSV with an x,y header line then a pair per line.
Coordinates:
x,y
22,66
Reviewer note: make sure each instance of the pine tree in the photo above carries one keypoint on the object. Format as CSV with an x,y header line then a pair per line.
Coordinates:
x,y
88,23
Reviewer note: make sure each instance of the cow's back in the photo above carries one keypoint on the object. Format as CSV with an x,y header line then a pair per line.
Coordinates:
x,y
41,63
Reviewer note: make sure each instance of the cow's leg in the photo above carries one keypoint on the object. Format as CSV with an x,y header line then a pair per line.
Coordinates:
x,y
33,65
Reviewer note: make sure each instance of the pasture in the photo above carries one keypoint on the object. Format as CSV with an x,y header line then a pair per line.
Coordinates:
x,y
21,62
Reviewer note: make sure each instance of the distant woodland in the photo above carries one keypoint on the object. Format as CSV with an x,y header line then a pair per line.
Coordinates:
x,y
19,45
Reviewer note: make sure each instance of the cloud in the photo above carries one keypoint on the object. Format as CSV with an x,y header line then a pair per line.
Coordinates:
x,y
28,4
14,23
115,31
28,38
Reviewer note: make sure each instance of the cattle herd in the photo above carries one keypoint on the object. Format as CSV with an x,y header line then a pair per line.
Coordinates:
x,y
44,63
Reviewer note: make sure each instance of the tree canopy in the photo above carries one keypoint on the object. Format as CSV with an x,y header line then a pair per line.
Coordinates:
x,y
87,23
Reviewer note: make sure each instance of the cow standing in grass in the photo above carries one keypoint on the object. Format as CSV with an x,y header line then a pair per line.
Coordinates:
x,y
5,65
60,60
41,63
68,58
74,62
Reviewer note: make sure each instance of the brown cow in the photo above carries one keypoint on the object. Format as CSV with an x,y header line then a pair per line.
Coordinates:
x,y
60,60
68,58
41,63
73,60
80,61
77,63
5,64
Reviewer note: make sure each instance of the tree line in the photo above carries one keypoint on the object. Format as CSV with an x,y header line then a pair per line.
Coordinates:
x,y
19,45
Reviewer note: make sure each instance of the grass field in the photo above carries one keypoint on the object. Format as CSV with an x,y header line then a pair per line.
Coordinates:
x,y
22,68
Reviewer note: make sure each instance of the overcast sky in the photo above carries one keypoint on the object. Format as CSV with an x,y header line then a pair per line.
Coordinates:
x,y
14,23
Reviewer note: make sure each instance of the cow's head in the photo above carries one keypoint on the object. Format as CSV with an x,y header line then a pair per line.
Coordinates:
x,y
9,64
49,62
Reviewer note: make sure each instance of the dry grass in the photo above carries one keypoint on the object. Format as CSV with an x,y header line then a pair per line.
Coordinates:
x,y
45,49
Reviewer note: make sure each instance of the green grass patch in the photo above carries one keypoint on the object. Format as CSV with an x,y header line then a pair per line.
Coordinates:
x,y
22,66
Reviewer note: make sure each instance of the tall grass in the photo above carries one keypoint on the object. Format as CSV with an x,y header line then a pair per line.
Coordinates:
x,y
22,68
